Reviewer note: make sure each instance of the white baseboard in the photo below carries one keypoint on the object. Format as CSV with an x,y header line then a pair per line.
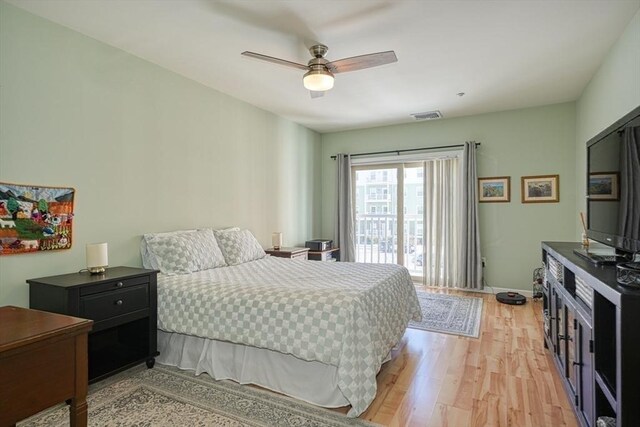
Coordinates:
x,y
494,290
490,290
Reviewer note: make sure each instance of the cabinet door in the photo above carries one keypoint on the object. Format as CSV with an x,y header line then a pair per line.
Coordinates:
x,y
561,333
571,362
547,316
584,369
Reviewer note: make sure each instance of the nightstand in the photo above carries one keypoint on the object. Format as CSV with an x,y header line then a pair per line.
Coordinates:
x,y
332,254
122,302
293,253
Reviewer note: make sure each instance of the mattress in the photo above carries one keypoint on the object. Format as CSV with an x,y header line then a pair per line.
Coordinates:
x,y
347,315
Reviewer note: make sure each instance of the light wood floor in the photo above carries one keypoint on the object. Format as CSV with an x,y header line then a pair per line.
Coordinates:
x,y
503,378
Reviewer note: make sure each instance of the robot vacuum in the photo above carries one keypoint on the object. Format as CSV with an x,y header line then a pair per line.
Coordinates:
x,y
512,298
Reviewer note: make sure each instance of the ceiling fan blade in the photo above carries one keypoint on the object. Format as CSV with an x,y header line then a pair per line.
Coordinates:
x,y
316,93
275,60
361,62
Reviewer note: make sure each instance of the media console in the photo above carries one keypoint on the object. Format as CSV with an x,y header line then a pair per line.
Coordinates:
x,y
592,328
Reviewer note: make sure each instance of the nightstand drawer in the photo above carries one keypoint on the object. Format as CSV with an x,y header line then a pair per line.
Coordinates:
x,y
114,285
300,255
115,303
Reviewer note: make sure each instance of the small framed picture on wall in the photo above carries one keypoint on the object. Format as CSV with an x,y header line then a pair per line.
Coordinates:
x,y
494,189
541,189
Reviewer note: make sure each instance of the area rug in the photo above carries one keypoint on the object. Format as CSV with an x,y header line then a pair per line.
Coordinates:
x,y
167,396
449,314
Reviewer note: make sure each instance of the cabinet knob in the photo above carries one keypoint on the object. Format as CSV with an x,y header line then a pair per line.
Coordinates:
x,y
562,337
119,284
119,302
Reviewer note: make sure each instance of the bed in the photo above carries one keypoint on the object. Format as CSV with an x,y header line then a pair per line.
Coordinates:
x,y
316,331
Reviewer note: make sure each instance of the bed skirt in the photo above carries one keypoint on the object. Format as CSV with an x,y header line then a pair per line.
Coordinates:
x,y
312,382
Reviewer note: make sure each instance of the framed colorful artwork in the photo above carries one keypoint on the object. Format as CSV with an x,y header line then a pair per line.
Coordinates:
x,y
604,186
541,189
35,218
494,189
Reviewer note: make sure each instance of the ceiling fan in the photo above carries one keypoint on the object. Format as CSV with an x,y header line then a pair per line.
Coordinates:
x,y
319,72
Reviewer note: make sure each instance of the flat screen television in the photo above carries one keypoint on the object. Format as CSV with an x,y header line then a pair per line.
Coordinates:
x,y
613,185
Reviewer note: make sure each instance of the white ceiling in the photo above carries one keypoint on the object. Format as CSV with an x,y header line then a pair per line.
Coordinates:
x,y
502,54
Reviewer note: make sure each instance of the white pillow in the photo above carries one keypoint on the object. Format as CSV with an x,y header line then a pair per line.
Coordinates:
x,y
226,230
149,259
239,246
186,252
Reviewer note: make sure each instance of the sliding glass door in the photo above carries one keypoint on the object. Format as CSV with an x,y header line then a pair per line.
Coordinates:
x,y
389,214
413,218
376,206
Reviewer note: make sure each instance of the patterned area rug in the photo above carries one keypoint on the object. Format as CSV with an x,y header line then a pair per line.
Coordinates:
x,y
449,314
166,396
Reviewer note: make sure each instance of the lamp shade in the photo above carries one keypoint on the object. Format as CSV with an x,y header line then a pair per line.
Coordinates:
x,y
97,257
318,80
276,240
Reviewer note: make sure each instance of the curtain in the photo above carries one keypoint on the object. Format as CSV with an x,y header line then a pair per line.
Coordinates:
x,y
629,179
344,233
441,186
470,261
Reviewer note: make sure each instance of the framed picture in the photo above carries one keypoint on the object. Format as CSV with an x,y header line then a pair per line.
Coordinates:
x,y
541,189
604,186
494,189
35,218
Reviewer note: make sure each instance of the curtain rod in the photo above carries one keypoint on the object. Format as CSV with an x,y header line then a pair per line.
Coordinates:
x,y
407,150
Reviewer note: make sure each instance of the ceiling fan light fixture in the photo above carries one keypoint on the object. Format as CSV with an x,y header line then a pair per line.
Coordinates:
x,y
318,80
319,72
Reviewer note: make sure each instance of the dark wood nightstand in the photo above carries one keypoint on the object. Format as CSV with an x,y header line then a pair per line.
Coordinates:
x,y
293,253
332,254
123,304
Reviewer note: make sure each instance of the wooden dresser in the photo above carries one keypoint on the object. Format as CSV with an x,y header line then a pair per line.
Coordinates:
x,y
43,362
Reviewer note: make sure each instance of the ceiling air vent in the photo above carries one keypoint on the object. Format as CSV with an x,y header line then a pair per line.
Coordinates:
x,y
428,115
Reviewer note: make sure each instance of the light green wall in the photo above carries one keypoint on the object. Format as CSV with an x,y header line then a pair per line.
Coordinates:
x,y
147,150
534,141
612,92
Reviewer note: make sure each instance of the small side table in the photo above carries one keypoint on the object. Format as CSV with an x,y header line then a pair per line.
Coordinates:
x,y
43,361
332,254
123,304
292,253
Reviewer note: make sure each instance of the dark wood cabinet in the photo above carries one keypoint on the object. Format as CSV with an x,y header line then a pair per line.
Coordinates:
x,y
591,327
123,304
291,253
332,254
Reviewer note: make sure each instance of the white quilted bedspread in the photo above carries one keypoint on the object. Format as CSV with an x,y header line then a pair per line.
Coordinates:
x,y
348,315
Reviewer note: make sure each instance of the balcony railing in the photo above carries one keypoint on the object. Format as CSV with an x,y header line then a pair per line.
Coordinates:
x,y
377,240
378,197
